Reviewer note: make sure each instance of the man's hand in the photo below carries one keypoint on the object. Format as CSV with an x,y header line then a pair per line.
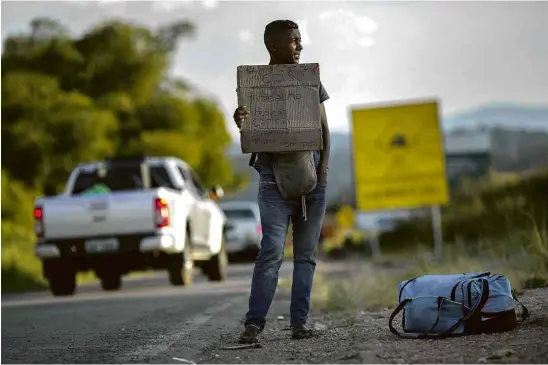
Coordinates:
x,y
239,115
322,175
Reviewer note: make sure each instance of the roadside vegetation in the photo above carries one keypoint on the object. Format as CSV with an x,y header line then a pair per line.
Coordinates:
x,y
501,229
522,258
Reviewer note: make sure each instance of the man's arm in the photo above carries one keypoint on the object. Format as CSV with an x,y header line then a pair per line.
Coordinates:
x,y
324,153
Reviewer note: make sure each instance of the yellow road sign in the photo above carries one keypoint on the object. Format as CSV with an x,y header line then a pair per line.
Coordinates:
x,y
399,160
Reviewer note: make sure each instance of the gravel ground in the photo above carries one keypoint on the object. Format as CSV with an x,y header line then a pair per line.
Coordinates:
x,y
364,338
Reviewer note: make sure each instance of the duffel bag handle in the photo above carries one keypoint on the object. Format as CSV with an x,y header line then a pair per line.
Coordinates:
x,y
400,307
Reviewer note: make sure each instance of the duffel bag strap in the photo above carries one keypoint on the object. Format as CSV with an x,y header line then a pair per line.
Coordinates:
x,y
482,300
524,310
398,309
475,310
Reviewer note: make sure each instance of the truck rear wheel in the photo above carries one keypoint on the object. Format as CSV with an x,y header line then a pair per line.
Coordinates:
x,y
63,283
215,268
251,253
181,265
111,282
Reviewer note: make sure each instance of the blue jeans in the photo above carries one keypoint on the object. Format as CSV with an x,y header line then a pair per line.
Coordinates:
x,y
276,213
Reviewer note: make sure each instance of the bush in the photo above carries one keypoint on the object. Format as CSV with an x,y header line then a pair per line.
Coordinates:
x,y
17,203
493,213
522,257
21,270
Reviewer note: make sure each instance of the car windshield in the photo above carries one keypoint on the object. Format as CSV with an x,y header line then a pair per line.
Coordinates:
x,y
119,179
239,214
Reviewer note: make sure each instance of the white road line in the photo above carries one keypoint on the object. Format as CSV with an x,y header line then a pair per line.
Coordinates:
x,y
164,342
184,360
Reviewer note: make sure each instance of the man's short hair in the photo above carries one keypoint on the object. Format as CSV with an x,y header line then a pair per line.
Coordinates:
x,y
274,28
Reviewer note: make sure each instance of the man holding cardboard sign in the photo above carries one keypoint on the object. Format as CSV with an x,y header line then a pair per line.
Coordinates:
x,y
285,128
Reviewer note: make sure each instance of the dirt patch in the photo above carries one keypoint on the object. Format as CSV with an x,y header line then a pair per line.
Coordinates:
x,y
364,338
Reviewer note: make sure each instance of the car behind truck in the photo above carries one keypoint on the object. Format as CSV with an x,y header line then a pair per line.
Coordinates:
x,y
243,229
123,215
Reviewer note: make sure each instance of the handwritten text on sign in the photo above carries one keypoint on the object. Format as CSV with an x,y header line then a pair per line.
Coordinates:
x,y
283,102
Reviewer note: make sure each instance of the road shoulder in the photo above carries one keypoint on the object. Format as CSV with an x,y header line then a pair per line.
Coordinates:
x,y
364,338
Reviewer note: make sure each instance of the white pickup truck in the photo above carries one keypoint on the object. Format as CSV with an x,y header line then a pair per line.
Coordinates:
x,y
117,216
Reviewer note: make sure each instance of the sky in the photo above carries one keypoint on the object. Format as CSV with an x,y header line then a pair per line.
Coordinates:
x,y
463,53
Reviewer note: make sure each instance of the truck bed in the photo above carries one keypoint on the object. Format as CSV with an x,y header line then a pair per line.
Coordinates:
x,y
116,213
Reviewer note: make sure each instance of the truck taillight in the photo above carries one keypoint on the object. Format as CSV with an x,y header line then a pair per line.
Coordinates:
x,y
259,229
39,221
161,212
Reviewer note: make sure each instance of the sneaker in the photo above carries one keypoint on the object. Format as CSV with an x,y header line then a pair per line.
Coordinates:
x,y
302,332
250,334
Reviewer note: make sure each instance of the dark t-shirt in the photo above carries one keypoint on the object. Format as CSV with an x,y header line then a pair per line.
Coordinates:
x,y
262,164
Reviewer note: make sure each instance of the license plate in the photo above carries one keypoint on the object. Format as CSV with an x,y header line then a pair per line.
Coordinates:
x,y
106,245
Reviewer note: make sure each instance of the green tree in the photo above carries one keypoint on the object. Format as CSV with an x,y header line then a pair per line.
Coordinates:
x,y
47,131
69,100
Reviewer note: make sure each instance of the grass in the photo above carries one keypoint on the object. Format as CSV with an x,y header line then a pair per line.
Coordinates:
x,y
21,270
364,291
522,257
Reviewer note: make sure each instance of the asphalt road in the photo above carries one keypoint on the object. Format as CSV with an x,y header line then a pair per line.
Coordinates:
x,y
147,321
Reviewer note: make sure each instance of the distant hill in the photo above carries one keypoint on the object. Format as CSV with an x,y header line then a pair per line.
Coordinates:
x,y
501,115
519,136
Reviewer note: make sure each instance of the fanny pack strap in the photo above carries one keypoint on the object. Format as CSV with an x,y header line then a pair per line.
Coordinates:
x,y
252,159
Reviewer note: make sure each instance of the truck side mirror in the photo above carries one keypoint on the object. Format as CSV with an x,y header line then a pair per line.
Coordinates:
x,y
216,192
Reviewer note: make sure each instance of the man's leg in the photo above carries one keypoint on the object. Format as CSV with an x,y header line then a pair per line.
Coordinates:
x,y
275,215
306,234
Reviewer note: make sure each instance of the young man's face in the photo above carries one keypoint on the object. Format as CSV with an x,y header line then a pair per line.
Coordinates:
x,y
287,49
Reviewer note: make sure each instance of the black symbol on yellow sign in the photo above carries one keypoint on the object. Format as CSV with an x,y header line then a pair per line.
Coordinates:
x,y
398,141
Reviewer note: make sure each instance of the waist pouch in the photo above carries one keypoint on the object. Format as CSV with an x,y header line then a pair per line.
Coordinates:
x,y
294,172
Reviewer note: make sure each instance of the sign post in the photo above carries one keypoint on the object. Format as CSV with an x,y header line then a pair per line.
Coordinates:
x,y
438,233
375,247
399,159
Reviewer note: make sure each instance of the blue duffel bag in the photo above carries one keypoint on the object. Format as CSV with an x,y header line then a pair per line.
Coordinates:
x,y
436,306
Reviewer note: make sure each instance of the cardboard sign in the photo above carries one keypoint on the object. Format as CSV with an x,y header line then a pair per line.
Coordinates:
x,y
284,106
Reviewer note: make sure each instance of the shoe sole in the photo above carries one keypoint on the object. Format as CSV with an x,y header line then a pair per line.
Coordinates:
x,y
248,341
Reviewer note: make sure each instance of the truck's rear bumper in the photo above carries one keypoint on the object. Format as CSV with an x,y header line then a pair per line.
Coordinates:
x,y
239,242
76,248
165,243
240,245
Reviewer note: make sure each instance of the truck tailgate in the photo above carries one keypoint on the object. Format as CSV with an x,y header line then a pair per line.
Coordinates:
x,y
101,215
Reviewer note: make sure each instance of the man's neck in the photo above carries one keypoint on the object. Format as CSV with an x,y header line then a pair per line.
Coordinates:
x,y
276,62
